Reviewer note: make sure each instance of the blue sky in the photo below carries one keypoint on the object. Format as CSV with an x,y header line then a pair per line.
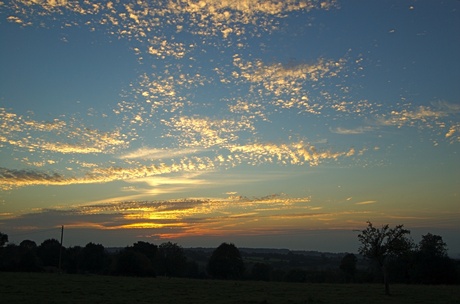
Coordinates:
x,y
265,123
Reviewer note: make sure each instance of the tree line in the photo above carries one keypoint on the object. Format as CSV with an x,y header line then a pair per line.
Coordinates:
x,y
385,254
140,259
397,256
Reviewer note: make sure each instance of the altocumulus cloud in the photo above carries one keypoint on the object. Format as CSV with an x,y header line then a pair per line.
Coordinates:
x,y
10,178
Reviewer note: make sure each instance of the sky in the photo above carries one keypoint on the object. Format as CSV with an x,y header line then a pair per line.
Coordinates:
x,y
276,124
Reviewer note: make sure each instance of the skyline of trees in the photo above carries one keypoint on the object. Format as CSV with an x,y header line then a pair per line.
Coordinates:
x,y
423,263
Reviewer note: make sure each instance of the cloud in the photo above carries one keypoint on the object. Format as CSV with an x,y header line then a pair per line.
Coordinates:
x,y
286,86
366,203
286,80
205,132
295,153
251,108
421,114
439,117
277,77
154,154
359,130
250,7
10,178
204,214
454,133
14,19
56,136
355,107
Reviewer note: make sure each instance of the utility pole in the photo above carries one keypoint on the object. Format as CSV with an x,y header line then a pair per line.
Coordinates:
x,y
60,248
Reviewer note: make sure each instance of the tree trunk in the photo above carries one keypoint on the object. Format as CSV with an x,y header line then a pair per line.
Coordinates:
x,y
386,279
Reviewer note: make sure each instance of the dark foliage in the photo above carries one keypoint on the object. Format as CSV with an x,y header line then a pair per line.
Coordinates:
x,y
383,244
431,265
226,262
296,275
132,263
261,272
93,258
348,267
147,249
432,246
48,252
72,261
171,260
426,263
3,239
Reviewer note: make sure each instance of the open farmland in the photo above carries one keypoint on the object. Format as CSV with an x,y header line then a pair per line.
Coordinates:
x,y
65,288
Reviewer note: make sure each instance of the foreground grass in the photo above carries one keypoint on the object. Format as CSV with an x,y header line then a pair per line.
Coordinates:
x,y
64,288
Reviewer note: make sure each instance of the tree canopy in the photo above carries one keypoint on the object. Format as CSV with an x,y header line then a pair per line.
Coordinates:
x,y
226,262
171,260
381,243
348,266
3,239
433,245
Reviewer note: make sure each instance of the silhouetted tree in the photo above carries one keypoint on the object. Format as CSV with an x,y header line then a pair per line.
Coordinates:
x,y
432,245
28,256
93,258
147,249
132,263
348,266
431,263
48,252
72,259
28,244
9,257
226,262
3,239
171,260
381,244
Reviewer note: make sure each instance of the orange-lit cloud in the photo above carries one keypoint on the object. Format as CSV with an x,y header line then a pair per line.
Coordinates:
x,y
205,132
295,153
420,114
168,214
237,216
57,136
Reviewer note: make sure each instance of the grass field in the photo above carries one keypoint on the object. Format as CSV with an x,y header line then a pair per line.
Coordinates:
x,y
64,288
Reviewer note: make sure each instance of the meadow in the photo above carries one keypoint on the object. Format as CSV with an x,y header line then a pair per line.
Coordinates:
x,y
66,288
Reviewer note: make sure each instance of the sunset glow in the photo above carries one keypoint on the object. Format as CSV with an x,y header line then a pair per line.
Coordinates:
x,y
260,122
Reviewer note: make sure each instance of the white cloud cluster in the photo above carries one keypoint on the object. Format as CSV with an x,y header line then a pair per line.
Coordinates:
x,y
440,117
358,130
205,132
411,117
295,153
57,136
167,36
277,77
288,85
154,154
